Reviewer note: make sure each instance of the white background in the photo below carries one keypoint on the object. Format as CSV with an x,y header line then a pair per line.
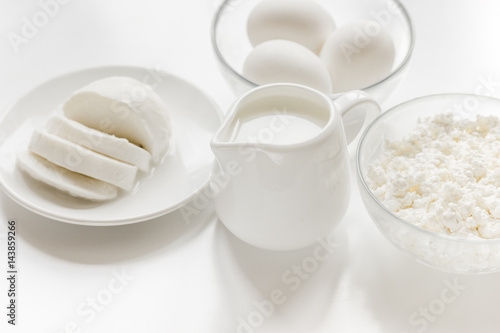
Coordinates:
x,y
197,277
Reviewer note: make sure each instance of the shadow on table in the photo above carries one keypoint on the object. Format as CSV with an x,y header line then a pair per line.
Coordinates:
x,y
106,244
270,291
405,296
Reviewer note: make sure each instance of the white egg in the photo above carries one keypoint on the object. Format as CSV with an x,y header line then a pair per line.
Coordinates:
x,y
279,61
358,55
302,21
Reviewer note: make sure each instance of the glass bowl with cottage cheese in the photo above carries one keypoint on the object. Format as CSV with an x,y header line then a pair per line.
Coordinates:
x,y
428,172
259,42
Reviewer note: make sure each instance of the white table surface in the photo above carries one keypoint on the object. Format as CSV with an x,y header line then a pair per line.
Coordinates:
x,y
197,277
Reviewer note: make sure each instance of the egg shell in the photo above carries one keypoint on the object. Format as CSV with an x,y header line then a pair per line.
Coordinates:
x,y
302,21
283,61
358,55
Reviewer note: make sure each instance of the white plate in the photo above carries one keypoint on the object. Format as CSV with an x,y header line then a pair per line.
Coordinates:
x,y
184,173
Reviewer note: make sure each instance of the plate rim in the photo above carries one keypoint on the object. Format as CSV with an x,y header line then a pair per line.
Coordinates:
x,y
14,196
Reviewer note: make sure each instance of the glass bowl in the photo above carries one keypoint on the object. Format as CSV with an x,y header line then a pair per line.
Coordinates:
x,y
231,44
439,251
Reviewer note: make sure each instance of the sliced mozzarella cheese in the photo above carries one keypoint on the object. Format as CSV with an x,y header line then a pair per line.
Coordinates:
x,y
126,108
110,145
67,181
83,160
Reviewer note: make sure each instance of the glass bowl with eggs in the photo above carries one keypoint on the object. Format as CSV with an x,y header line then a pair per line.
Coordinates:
x,y
428,172
333,46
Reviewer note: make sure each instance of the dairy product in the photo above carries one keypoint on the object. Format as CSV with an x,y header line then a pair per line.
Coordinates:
x,y
285,61
102,136
444,176
302,21
275,129
67,181
82,160
100,142
280,120
126,108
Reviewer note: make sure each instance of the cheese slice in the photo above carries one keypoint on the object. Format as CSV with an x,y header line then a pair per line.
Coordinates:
x,y
110,145
83,160
67,181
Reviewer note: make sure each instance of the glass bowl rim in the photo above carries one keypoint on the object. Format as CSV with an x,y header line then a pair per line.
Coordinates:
x,y
400,108
226,3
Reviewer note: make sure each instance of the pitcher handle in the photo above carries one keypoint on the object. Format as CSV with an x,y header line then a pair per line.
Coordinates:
x,y
357,109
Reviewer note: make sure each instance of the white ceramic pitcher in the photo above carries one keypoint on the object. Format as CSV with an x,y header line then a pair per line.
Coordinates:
x,y
282,176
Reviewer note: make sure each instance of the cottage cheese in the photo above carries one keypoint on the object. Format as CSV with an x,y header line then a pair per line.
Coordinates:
x,y
444,176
